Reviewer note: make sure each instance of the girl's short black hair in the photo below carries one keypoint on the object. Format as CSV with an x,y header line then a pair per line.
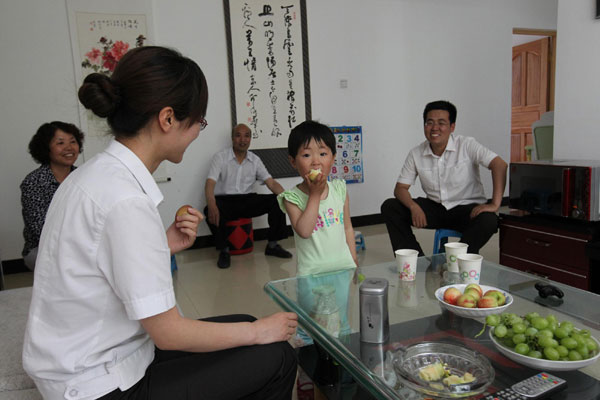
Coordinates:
x,y
39,146
302,134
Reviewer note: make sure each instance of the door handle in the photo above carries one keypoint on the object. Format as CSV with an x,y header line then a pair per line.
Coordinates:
x,y
537,242
537,274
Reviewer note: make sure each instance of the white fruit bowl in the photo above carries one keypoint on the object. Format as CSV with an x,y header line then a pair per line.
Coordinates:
x,y
542,364
475,313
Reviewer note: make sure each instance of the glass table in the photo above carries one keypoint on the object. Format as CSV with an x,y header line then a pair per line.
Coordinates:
x,y
416,316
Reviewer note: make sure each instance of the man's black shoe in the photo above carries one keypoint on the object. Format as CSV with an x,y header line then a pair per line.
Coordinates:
x,y
278,251
224,260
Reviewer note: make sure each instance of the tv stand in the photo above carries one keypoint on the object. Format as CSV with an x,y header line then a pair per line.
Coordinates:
x,y
560,249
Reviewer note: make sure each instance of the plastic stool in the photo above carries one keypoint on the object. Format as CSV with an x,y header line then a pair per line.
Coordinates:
x,y
173,264
359,240
441,238
240,236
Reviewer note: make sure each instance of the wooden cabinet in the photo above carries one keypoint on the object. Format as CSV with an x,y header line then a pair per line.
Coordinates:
x,y
551,248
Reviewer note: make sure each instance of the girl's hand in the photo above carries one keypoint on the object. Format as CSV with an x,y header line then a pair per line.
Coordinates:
x,y
317,185
182,233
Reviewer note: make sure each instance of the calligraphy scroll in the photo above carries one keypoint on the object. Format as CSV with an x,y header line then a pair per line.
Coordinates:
x,y
268,61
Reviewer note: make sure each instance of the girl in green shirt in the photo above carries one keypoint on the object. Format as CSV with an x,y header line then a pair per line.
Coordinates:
x,y
320,215
319,210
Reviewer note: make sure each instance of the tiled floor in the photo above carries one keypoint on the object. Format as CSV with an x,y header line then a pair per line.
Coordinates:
x,y
204,290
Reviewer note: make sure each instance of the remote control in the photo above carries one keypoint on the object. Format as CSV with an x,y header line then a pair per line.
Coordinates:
x,y
537,387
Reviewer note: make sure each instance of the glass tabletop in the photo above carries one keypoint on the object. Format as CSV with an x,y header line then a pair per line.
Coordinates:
x,y
416,316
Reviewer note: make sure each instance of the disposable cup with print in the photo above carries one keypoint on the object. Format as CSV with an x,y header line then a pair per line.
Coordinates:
x,y
407,294
406,260
453,249
469,267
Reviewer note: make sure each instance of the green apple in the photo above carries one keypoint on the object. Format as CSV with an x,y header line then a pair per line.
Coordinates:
x,y
473,292
487,302
474,286
498,295
466,300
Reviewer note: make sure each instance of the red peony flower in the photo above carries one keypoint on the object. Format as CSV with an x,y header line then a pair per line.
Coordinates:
x,y
119,49
105,60
94,56
109,62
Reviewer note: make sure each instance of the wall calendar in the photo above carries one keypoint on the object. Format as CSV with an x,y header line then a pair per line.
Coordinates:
x,y
349,160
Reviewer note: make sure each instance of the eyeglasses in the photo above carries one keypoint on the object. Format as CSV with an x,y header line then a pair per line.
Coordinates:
x,y
203,123
441,124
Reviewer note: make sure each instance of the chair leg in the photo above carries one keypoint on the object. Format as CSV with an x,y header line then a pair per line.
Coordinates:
x,y
442,243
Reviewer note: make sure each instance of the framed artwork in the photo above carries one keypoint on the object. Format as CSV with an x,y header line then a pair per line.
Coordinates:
x,y
101,33
269,77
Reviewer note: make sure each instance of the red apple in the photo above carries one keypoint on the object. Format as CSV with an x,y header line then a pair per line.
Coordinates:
x,y
466,300
182,210
498,295
451,295
474,286
487,302
473,292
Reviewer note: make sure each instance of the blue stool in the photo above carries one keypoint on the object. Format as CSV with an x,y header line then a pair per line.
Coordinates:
x,y
173,264
441,238
359,240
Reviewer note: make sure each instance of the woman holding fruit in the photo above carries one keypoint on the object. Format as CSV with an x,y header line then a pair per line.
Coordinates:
x,y
103,322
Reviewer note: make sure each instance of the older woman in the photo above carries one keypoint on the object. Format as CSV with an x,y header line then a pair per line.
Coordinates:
x,y
56,146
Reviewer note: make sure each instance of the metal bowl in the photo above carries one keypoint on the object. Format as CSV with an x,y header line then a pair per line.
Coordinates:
x,y
458,359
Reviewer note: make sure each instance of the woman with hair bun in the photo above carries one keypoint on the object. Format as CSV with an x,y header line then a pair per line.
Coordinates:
x,y
103,322
56,146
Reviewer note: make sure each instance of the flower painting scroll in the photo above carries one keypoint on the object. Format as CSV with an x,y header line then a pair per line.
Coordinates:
x,y
104,57
101,33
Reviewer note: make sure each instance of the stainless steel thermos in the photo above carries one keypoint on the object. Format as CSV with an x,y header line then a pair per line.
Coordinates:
x,y
374,319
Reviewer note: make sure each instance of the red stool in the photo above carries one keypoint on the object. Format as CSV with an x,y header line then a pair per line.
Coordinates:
x,y
240,236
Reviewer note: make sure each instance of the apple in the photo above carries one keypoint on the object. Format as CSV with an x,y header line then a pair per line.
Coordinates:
x,y
313,173
466,300
182,210
487,302
451,295
473,292
498,295
474,286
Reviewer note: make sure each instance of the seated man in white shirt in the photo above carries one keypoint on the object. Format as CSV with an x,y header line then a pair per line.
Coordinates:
x,y
448,168
229,195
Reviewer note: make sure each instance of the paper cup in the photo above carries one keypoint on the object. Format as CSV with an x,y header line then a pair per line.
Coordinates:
x,y
407,294
407,263
469,267
453,249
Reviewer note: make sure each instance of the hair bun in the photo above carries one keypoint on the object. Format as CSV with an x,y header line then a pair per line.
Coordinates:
x,y
99,94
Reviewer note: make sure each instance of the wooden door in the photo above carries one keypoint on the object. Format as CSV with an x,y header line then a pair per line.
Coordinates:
x,y
530,82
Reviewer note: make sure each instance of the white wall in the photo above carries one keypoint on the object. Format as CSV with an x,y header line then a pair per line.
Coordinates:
x,y
396,55
577,116
522,39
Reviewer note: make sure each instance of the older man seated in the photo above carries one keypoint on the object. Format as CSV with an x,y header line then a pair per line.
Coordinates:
x,y
229,195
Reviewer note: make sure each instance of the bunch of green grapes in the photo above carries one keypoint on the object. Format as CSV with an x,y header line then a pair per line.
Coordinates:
x,y
542,337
